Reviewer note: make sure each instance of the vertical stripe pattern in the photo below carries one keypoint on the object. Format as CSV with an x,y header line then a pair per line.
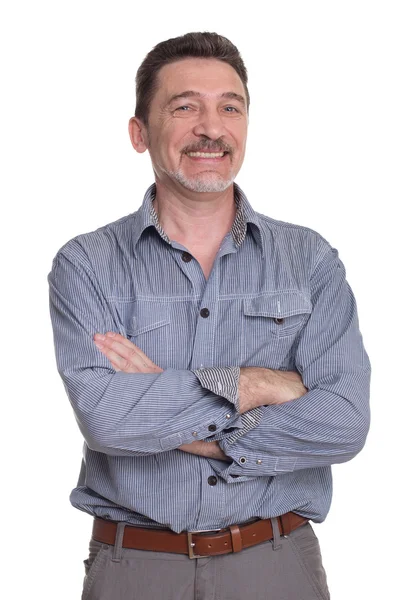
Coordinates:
x,y
277,297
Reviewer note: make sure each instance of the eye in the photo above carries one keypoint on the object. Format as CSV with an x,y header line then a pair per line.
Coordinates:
x,y
231,109
183,108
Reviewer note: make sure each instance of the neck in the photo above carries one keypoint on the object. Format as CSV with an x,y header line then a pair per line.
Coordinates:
x,y
195,218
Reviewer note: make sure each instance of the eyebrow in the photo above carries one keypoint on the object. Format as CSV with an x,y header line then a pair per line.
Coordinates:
x,y
191,93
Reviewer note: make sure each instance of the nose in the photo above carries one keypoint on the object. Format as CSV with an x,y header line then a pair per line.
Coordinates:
x,y
210,124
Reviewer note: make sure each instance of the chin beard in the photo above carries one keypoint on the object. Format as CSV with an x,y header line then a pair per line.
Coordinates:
x,y
201,185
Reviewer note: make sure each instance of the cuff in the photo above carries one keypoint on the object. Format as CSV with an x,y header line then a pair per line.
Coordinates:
x,y
249,421
253,464
222,381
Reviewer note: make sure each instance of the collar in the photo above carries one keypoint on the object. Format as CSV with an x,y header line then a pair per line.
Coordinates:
x,y
147,217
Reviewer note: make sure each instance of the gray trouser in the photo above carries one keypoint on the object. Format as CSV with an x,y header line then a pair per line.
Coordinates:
x,y
286,568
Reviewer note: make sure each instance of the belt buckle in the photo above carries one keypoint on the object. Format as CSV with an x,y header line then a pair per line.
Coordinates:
x,y
191,543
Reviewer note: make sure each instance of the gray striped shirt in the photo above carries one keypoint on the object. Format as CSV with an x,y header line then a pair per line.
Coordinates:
x,y
277,297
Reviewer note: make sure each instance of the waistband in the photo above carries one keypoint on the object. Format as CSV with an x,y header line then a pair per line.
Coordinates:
x,y
197,544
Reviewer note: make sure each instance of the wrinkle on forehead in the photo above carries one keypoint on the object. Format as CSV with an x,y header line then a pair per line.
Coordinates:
x,y
206,77
202,71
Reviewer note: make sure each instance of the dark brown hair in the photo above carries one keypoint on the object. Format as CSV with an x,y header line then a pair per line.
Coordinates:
x,y
190,45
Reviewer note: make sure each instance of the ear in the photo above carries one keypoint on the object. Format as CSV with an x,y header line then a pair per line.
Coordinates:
x,y
138,134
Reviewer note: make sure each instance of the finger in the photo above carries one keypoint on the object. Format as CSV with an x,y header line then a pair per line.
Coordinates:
x,y
117,361
125,358
115,367
129,368
126,349
127,343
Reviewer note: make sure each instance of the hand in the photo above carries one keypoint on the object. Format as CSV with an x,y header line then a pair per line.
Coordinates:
x,y
123,355
262,387
207,449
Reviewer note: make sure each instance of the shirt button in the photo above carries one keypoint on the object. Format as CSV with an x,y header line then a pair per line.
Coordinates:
x,y
212,480
186,257
278,321
212,427
204,313
259,461
194,433
242,459
228,416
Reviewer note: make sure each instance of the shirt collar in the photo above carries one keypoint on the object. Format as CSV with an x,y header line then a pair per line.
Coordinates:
x,y
147,217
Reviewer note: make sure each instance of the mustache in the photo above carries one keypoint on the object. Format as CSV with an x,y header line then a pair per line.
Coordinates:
x,y
207,145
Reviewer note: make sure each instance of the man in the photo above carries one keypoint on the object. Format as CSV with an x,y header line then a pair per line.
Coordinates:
x,y
212,357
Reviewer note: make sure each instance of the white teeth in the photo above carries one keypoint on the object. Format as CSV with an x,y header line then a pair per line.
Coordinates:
x,y
206,154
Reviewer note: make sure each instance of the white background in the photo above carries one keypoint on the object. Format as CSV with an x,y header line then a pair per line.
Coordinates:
x,y
323,151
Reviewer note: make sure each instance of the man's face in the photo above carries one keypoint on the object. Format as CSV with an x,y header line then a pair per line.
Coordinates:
x,y
198,125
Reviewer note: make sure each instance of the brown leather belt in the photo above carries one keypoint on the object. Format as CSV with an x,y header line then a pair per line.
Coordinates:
x,y
197,544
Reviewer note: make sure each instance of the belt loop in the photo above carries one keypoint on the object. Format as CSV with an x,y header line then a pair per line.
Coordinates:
x,y
117,552
277,537
237,544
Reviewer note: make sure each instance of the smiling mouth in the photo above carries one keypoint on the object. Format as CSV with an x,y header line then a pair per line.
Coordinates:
x,y
206,154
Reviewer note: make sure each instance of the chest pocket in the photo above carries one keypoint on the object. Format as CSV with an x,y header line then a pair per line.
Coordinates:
x,y
144,317
279,314
147,324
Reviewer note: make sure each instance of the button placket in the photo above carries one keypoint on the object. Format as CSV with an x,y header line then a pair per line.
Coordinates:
x,y
203,353
213,495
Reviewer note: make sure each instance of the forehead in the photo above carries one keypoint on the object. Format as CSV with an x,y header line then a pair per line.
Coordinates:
x,y
205,75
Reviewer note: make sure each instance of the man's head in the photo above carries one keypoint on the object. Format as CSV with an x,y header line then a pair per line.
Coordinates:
x,y
192,97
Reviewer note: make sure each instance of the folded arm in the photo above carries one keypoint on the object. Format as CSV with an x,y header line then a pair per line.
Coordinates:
x,y
124,414
257,386
329,423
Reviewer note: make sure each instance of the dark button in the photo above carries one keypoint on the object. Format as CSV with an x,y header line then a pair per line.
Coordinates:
x,y
279,321
212,480
186,257
212,427
204,312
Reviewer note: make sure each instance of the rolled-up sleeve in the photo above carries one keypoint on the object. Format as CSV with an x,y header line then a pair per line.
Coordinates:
x,y
329,424
225,381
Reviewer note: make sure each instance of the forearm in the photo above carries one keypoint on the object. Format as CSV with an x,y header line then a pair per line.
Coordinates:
x,y
255,387
328,424
123,414
320,429
250,388
261,387
137,414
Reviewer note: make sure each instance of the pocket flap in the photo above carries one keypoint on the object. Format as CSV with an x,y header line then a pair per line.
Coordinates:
x,y
147,316
278,305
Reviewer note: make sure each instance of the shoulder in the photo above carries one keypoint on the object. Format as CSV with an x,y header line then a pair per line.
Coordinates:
x,y
97,245
305,243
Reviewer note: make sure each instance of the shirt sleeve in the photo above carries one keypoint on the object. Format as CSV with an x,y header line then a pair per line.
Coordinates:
x,y
122,414
329,424
225,381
